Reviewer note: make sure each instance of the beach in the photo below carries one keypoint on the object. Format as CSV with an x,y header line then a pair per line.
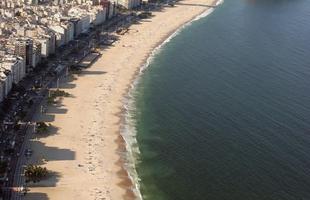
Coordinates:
x,y
84,150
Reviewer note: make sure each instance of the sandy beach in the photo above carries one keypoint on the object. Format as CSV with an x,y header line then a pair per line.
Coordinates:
x,y
83,149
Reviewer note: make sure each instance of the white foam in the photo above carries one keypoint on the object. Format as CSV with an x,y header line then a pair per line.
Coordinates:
x,y
219,2
128,130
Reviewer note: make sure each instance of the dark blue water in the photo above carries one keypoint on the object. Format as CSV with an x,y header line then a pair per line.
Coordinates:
x,y
223,111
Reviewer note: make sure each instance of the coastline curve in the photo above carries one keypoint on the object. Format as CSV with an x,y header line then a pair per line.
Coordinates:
x,y
128,131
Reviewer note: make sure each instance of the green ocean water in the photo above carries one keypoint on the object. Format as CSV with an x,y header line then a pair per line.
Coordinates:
x,y
223,110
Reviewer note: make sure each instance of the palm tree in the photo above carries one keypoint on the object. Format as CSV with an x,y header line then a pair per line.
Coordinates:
x,y
41,127
35,173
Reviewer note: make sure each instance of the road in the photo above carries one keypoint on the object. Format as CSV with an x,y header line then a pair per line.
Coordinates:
x,y
19,179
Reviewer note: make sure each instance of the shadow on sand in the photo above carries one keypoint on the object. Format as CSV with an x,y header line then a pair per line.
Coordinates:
x,y
36,196
86,73
191,4
48,153
30,196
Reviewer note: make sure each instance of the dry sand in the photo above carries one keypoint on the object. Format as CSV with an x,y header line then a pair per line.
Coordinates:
x,y
83,149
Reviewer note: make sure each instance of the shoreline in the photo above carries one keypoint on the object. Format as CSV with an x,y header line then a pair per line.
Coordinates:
x,y
129,99
105,144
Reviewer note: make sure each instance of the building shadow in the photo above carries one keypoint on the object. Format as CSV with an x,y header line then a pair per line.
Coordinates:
x,y
67,85
56,110
48,153
26,196
194,4
44,117
35,196
84,73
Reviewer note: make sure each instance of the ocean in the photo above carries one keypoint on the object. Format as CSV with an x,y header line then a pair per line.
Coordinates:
x,y
222,111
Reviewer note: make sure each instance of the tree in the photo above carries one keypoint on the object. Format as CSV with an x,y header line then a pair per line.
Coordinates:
x,y
41,127
35,173
55,94
60,93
